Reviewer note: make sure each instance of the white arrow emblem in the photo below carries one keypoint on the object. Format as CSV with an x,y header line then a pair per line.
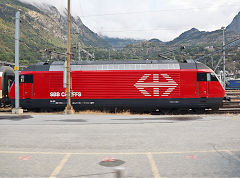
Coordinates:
x,y
156,85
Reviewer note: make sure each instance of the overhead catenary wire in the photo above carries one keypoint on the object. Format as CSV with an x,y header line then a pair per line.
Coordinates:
x,y
156,11
226,46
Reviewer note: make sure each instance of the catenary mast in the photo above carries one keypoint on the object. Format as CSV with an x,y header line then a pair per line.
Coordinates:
x,y
69,108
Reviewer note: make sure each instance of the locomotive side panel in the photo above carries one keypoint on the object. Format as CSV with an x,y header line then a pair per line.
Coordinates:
x,y
36,89
126,84
188,84
105,85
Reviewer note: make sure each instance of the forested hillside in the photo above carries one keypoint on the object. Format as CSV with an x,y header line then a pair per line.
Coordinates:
x,y
40,29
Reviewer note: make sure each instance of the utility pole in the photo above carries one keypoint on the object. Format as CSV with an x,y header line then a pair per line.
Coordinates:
x,y
69,108
224,58
17,109
79,51
212,61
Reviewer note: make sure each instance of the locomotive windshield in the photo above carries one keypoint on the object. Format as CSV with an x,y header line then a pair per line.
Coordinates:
x,y
26,78
203,76
213,77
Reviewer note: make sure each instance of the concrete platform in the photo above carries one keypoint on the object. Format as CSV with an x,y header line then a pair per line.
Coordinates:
x,y
93,145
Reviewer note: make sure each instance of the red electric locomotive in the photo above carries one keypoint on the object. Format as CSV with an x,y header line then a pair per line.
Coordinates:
x,y
139,85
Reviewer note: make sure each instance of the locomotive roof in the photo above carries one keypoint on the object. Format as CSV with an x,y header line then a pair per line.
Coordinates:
x,y
118,65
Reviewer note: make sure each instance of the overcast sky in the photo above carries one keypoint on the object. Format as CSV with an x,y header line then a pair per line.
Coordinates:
x,y
146,19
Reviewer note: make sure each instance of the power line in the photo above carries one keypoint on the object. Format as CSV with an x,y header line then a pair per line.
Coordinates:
x,y
156,11
142,30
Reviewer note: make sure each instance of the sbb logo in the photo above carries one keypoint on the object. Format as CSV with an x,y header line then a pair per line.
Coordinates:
x,y
63,94
76,94
55,94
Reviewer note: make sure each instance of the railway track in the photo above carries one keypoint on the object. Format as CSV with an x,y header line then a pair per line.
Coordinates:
x,y
232,106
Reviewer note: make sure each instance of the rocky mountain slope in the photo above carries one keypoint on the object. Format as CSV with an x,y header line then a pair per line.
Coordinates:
x,y
234,26
196,37
40,29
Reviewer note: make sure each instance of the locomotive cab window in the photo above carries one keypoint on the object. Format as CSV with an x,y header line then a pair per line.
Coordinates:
x,y
201,76
213,77
26,79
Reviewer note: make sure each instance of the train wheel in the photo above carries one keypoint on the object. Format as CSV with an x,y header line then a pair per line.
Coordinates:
x,y
166,111
199,110
214,109
156,113
180,111
162,112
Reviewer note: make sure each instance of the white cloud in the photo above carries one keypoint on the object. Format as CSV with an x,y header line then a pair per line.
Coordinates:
x,y
146,19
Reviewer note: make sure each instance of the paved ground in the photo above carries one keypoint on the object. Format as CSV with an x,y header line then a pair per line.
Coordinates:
x,y
91,145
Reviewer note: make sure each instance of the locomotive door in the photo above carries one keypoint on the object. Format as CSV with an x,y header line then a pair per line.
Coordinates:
x,y
27,82
202,84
